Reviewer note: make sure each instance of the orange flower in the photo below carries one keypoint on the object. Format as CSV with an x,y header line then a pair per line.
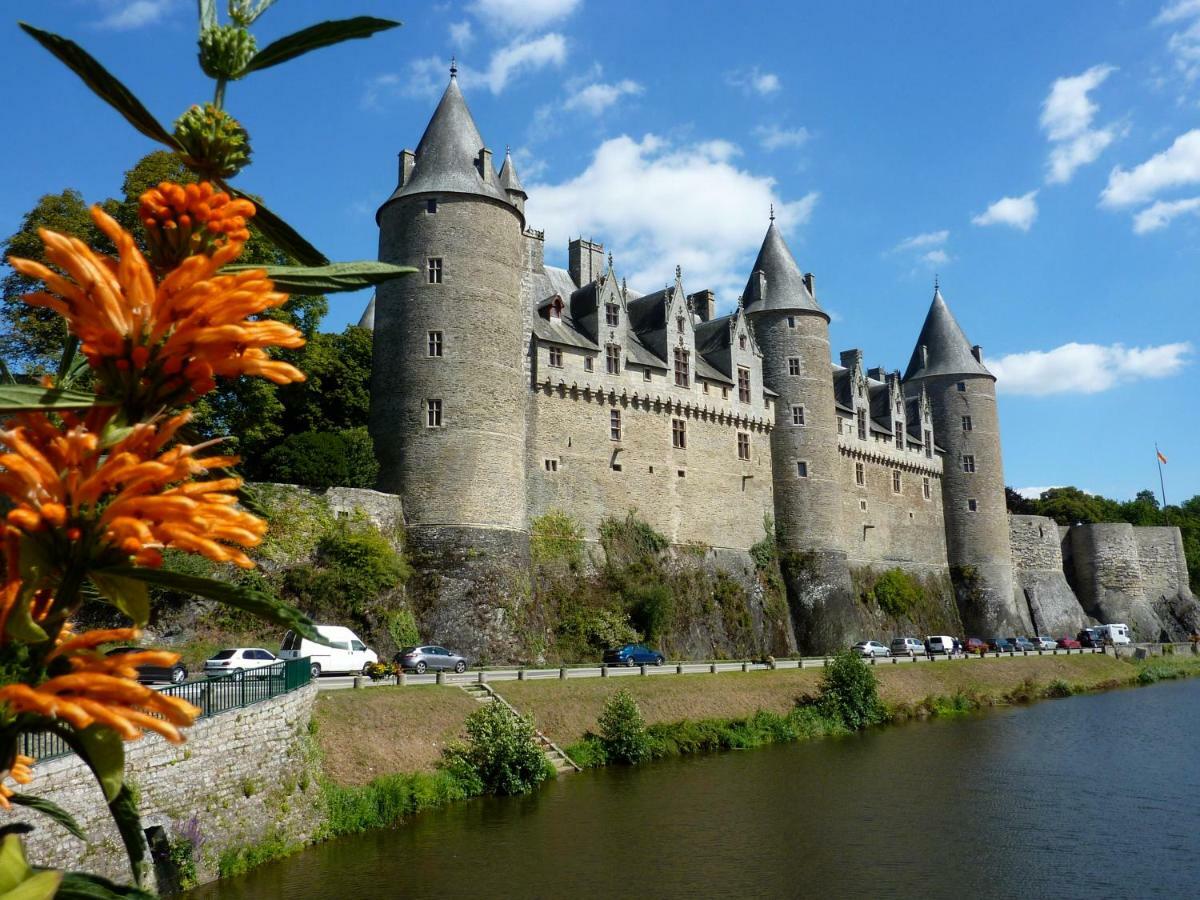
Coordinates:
x,y
156,345
21,772
183,220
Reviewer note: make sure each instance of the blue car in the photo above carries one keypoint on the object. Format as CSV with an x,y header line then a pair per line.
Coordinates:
x,y
633,655
1000,645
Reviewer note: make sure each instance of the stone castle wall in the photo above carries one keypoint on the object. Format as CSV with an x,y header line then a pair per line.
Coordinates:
x,y
1040,579
242,776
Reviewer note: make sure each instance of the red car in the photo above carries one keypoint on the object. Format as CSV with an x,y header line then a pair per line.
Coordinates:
x,y
975,645
1066,643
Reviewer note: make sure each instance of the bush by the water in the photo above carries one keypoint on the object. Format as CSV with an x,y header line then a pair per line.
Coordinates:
x,y
623,730
501,754
849,693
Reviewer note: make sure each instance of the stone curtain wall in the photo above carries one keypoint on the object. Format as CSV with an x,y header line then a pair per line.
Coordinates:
x,y
242,777
1108,577
1039,577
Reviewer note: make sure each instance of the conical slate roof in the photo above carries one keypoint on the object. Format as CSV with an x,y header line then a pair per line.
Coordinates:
x,y
947,350
785,289
508,175
368,317
447,158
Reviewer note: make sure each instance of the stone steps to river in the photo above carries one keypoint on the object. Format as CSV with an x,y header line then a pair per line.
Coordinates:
x,y
563,764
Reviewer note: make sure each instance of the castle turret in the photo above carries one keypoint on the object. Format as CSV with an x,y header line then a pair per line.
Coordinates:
x,y
512,183
447,389
962,399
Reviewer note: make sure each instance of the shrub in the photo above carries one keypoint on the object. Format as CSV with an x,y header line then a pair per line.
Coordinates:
x,y
849,693
1059,688
896,592
555,537
322,459
587,629
402,627
651,606
623,730
501,750
354,565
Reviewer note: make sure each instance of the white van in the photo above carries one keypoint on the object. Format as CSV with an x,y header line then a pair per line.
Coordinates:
x,y
345,653
939,644
1115,634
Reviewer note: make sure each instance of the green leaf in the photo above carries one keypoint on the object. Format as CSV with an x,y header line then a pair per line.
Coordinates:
x,y
280,233
124,811
103,84
41,885
255,602
20,625
13,867
20,397
313,38
129,595
207,10
85,886
53,810
104,752
331,279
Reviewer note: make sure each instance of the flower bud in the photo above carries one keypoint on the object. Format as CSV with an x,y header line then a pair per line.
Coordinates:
x,y
225,50
215,145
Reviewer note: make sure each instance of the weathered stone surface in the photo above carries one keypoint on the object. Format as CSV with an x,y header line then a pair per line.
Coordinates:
x,y
1108,577
1040,580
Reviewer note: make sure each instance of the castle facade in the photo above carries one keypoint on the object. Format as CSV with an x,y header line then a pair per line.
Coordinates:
x,y
504,388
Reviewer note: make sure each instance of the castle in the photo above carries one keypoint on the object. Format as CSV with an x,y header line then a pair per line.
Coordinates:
x,y
503,388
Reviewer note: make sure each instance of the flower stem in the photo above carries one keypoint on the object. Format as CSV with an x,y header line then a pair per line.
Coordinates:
x,y
219,94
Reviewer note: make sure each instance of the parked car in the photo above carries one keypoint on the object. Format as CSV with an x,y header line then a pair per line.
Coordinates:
x,y
1000,645
1117,635
1090,637
871,648
176,674
975,645
238,660
1041,642
633,655
1068,643
939,644
907,646
1020,643
419,659
345,653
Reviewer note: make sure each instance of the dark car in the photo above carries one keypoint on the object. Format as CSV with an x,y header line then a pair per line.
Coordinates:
x,y
176,674
975,645
633,655
1020,643
1090,637
419,659
1000,645
1067,643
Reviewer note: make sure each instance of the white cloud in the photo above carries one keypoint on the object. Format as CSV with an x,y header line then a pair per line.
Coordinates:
x,y
755,81
659,204
597,97
1018,212
1178,165
772,137
1160,214
524,56
1085,368
1183,44
1035,493
1175,12
522,15
921,241
1067,115
380,88
461,34
137,14
936,257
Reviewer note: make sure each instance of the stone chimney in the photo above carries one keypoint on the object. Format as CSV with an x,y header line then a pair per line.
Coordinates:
x,y
705,304
758,286
535,250
485,164
879,373
977,352
408,161
585,261
852,359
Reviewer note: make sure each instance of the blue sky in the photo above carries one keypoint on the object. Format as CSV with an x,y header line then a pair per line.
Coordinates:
x,y
1042,158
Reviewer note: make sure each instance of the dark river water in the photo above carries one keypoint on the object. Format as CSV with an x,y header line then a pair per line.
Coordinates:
x,y
1095,796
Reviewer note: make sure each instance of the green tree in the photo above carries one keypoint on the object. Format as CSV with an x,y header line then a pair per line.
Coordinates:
x,y
501,751
623,729
849,693
321,459
336,394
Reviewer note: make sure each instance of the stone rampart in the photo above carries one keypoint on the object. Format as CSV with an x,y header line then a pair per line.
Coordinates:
x,y
1039,577
242,777
1108,575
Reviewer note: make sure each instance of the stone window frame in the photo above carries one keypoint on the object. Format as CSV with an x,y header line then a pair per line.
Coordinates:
x,y
793,363
927,487
724,393
860,474
556,357
704,386
861,417
897,482
928,444
967,424
434,270
435,344
968,463
612,315
744,390
961,387
551,464
589,364
972,505
862,505
802,468
612,359
678,434
743,445
683,367
741,342
899,431
647,374
679,324
433,413
614,425
791,321
798,414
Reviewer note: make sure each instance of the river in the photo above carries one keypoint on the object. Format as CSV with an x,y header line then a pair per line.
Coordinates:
x,y
1092,796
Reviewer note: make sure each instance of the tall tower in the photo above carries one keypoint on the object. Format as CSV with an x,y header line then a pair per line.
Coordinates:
x,y
962,398
792,332
447,389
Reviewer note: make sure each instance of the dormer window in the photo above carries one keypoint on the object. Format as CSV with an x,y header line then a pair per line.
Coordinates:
x,y
743,384
612,359
862,424
554,311
741,342
900,435
928,444
682,377
612,315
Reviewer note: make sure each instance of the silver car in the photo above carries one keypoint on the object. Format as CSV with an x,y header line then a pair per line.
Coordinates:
x,y
871,648
1041,642
431,658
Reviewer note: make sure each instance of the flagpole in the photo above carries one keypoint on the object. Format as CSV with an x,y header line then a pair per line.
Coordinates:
x,y
1161,484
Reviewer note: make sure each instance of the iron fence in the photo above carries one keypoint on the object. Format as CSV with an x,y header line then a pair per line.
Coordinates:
x,y
234,690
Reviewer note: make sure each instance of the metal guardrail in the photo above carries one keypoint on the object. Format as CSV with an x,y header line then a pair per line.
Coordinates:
x,y
235,690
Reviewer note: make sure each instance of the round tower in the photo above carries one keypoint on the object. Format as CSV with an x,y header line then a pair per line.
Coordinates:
x,y
447,389
966,425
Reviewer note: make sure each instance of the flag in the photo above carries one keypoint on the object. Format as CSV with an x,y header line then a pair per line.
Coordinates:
x,y
1161,458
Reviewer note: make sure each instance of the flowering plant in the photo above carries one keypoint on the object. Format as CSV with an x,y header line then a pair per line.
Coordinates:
x,y
96,484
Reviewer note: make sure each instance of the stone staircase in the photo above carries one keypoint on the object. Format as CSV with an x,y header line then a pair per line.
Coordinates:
x,y
562,763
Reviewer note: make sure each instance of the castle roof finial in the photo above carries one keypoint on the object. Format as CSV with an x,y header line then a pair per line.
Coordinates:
x,y
678,272
610,259
453,67
935,282
772,212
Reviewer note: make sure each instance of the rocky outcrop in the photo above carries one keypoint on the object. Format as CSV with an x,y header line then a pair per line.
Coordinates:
x,y
1039,577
